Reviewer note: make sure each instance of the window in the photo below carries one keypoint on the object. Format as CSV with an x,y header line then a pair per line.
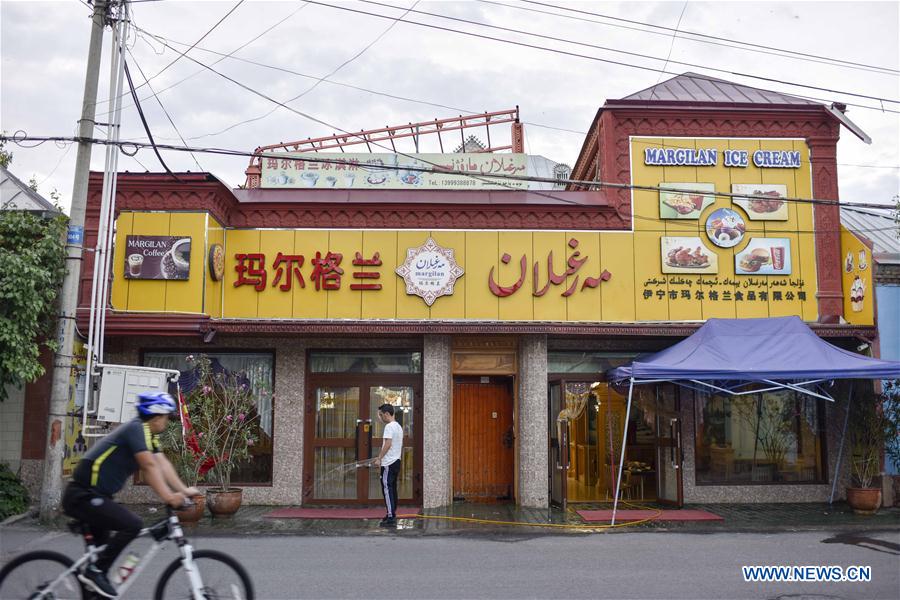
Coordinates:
x,y
365,362
769,438
259,370
595,363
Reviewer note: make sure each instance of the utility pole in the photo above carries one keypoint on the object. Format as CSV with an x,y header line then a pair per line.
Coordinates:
x,y
51,490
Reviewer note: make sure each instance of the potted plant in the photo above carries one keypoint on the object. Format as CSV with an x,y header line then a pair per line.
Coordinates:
x,y
223,415
867,435
188,463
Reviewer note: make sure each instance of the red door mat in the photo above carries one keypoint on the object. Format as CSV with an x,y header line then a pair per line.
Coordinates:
x,y
335,513
639,515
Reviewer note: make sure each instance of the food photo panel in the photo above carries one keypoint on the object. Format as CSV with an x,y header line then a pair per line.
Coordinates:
x,y
770,205
687,204
764,256
687,255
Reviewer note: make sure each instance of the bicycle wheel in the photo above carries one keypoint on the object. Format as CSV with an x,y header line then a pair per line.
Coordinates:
x,y
223,577
39,575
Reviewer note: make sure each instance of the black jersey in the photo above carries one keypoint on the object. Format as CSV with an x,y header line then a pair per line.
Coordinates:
x,y
108,465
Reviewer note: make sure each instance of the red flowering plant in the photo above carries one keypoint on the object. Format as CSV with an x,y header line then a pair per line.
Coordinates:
x,y
221,418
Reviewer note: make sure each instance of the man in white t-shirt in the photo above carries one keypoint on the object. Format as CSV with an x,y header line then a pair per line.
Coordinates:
x,y
389,461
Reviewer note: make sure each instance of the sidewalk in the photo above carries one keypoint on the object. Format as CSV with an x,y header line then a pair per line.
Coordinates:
x,y
491,518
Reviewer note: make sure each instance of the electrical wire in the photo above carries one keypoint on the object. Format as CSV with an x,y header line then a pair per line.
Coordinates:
x,y
606,48
760,47
179,57
157,37
319,80
168,116
671,47
196,46
585,56
144,121
495,179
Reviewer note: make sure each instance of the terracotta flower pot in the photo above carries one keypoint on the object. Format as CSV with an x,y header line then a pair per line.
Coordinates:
x,y
224,503
864,501
194,513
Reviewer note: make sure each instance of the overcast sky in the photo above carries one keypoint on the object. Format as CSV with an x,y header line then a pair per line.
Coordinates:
x,y
44,48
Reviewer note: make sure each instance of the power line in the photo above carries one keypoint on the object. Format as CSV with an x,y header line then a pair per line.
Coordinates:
x,y
319,80
392,96
711,37
177,58
144,120
318,158
156,96
585,44
223,56
577,55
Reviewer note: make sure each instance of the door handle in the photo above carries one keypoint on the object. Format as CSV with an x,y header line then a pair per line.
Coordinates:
x,y
562,434
680,452
672,442
356,439
368,428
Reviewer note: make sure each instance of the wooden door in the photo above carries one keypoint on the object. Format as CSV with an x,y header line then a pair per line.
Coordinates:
x,y
483,439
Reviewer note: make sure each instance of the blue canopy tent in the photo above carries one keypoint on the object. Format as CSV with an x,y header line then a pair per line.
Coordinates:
x,y
737,356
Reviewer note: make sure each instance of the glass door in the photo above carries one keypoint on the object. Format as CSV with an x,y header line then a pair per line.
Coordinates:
x,y
559,447
403,399
669,452
341,438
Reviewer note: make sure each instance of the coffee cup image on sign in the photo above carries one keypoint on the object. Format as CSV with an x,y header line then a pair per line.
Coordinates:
x,y
176,263
309,179
135,264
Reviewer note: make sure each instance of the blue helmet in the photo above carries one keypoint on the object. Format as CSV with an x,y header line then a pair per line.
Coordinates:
x,y
150,404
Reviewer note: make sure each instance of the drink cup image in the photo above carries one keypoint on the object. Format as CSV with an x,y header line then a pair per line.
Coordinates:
x,y
135,263
309,179
348,179
777,253
331,181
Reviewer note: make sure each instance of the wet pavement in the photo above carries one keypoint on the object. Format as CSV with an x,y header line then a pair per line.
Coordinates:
x,y
490,519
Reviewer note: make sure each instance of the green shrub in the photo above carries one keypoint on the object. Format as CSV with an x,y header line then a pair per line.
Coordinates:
x,y
13,495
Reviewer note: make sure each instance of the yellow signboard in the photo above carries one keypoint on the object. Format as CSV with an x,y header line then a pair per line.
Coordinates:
x,y
687,259
856,272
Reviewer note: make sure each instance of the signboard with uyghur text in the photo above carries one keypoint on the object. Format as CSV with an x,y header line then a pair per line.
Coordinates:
x,y
394,171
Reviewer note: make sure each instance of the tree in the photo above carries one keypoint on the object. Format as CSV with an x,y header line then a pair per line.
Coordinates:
x,y
32,267
5,157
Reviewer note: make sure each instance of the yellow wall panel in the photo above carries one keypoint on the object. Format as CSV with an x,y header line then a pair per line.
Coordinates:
x,y
187,296
548,306
645,203
381,304
450,307
345,303
679,174
146,294
215,234
275,302
585,303
119,291
409,306
620,294
856,273
241,301
647,251
517,245
309,303
482,253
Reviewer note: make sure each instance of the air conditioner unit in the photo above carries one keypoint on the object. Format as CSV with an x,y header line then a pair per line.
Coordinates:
x,y
120,386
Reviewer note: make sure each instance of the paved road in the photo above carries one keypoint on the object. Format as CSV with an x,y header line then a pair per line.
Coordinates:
x,y
640,565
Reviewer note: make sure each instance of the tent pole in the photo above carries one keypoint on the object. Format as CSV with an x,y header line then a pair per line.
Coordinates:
x,y
837,466
622,456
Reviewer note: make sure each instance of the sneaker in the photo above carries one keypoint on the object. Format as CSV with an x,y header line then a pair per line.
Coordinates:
x,y
96,580
388,522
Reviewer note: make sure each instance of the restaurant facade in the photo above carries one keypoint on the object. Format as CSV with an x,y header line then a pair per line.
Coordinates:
x,y
489,316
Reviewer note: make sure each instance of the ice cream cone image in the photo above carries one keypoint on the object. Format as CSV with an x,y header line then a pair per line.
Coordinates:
x,y
857,295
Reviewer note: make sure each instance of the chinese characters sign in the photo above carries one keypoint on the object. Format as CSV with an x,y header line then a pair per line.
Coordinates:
x,y
393,171
157,257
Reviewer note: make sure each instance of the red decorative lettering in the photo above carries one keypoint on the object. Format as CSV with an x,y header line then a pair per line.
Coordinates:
x,y
292,263
503,291
359,261
251,270
327,271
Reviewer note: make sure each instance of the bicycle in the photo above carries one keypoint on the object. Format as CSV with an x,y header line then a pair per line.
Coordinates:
x,y
36,576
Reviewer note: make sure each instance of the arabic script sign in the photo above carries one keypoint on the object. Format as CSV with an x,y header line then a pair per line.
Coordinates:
x,y
430,271
392,171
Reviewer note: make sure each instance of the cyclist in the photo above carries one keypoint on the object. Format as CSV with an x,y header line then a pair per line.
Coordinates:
x,y
103,472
